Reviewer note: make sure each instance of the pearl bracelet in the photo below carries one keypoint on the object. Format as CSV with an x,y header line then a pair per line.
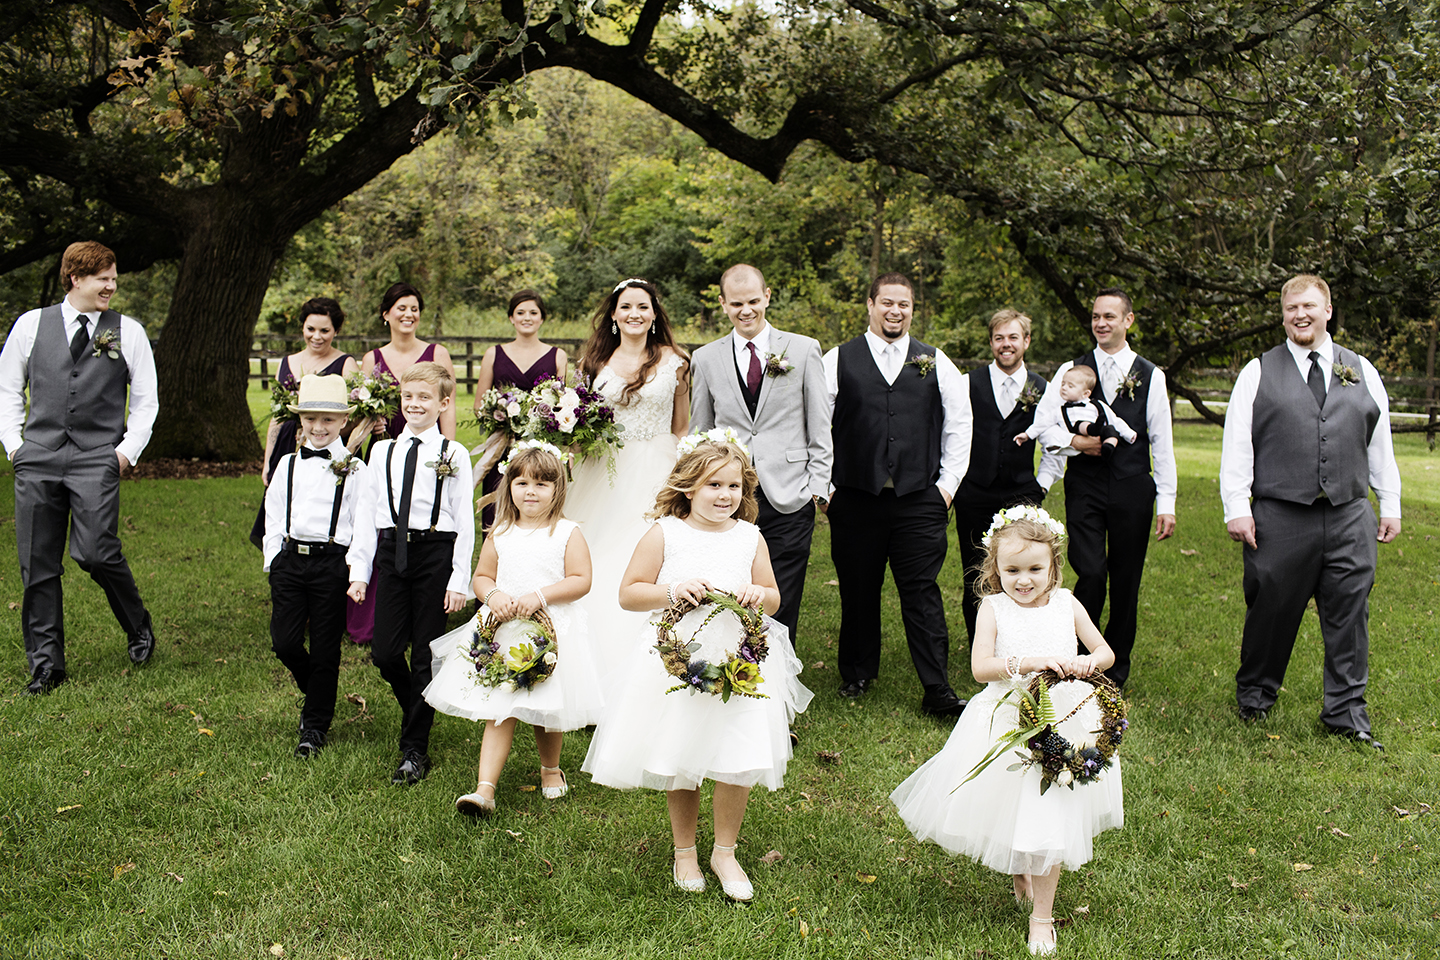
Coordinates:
x,y
541,595
488,594
1012,668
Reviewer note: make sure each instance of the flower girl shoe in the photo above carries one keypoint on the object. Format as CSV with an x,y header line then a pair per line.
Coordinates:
x,y
476,804
554,793
690,884
741,890
1043,948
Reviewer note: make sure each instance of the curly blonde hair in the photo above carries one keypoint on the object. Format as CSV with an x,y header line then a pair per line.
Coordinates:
x,y
693,469
534,464
1029,531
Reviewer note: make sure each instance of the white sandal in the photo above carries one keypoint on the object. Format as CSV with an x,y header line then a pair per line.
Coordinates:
x,y
475,804
741,890
693,884
1042,948
554,793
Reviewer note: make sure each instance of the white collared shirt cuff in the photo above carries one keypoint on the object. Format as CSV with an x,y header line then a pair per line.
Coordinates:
x,y
1237,510
1390,507
948,483
1165,505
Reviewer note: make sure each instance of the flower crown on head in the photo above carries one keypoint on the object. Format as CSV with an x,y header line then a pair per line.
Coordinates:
x,y
565,457
625,283
1025,512
717,435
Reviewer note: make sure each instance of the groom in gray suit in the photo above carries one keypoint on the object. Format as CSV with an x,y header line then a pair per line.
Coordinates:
x,y
769,386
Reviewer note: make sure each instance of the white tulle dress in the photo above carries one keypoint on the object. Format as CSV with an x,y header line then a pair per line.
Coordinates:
x,y
1000,818
612,513
673,741
570,698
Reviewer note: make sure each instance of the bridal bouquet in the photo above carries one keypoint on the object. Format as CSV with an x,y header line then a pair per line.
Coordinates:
x,y
576,418
375,397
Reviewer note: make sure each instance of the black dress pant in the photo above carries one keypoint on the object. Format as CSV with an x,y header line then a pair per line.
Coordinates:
x,y
309,591
787,537
910,534
409,613
975,508
1109,523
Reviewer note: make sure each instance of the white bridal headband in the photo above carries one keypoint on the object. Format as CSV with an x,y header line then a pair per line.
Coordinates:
x,y
625,283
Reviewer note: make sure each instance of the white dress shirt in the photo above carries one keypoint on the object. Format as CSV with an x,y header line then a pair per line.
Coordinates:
x,y
1237,451
742,351
134,349
314,500
998,380
954,401
457,511
1050,463
1157,425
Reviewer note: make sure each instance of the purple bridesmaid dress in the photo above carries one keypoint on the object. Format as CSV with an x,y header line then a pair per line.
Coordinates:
x,y
507,374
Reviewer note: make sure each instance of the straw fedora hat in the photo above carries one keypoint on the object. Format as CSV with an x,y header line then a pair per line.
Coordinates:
x,y
323,395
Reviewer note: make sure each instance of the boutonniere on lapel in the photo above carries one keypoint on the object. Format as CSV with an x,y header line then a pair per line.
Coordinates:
x,y
778,366
1346,375
344,467
1029,396
924,363
1129,385
444,467
107,342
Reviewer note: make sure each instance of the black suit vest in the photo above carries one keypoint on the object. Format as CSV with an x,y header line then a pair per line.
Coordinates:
x,y
995,461
1129,459
886,431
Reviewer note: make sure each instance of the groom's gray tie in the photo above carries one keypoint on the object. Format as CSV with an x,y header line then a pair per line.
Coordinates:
x,y
1008,392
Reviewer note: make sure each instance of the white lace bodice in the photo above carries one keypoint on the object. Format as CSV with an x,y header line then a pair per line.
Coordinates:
x,y
1047,631
725,559
531,558
652,409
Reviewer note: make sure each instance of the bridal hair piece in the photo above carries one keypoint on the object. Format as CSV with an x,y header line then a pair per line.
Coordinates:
x,y
625,283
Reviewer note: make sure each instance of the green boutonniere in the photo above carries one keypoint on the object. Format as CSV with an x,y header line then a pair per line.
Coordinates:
x,y
107,342
1346,375
925,363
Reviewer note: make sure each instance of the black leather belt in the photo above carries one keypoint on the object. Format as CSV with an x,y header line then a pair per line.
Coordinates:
x,y
413,536
314,549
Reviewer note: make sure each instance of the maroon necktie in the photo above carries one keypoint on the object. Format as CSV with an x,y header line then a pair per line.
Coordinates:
x,y
752,382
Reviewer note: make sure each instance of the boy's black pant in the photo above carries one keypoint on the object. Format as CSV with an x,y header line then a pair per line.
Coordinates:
x,y
409,613
310,590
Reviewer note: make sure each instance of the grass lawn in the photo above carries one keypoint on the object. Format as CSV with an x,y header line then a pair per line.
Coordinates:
x,y
159,812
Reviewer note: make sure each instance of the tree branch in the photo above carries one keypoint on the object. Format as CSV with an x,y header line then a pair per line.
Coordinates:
x,y
1195,399
645,25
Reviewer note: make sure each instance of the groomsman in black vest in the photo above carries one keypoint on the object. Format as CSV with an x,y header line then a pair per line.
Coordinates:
x,y
901,429
1306,433
1003,398
77,357
1110,499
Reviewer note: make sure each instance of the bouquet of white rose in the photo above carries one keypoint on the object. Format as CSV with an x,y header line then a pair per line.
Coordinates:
x,y
576,418
375,397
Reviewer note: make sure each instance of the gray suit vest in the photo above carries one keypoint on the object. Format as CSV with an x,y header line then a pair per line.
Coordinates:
x,y
82,400
1302,450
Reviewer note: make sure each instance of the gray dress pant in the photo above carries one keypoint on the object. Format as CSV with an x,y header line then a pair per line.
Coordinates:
x,y
1321,550
78,489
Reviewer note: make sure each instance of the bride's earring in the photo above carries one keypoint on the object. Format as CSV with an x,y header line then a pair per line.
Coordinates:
x,y
614,328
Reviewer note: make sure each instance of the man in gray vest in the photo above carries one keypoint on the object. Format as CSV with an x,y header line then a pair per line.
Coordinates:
x,y
1306,433
77,358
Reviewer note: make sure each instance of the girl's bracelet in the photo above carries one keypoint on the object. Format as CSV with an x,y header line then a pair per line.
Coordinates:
x,y
670,593
541,595
1012,668
488,594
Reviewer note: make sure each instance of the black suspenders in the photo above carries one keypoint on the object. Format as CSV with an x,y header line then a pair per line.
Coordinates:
x,y
290,498
390,489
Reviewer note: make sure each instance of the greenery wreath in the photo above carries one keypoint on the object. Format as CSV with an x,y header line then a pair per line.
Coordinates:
x,y
740,673
1060,761
523,664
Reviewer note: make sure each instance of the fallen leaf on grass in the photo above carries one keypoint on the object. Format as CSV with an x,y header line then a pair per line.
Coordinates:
x,y
1082,911
831,757
804,929
277,950
221,660
527,788
1237,884
176,877
207,731
774,856
1302,867
73,806
14,605
832,583
122,869
517,836
1272,736
1188,553
865,877
406,860
1337,831
1400,811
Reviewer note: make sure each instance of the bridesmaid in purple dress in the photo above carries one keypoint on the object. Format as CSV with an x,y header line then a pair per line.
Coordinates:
x,y
523,362
320,321
400,308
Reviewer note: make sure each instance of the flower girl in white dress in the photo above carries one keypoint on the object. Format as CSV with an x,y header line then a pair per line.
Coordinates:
x,y
532,561
673,741
1026,623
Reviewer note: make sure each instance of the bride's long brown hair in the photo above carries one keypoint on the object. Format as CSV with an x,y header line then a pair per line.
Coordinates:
x,y
603,340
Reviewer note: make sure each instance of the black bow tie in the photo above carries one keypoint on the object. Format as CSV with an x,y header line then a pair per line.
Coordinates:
x,y
306,453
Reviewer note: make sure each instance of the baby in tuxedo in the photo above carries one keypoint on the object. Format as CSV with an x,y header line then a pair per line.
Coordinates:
x,y
1082,415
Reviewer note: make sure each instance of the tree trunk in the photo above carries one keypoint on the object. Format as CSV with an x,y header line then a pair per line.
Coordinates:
x,y
203,357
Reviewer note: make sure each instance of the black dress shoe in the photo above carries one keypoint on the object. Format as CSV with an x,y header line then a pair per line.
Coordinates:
x,y
1253,714
414,765
142,643
855,688
1359,736
943,706
45,680
311,743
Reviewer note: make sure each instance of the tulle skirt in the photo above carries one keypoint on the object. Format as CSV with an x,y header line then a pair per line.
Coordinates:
x,y
674,741
999,818
570,698
613,521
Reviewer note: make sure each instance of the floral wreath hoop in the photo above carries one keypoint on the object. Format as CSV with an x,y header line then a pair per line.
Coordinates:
x,y
525,664
740,672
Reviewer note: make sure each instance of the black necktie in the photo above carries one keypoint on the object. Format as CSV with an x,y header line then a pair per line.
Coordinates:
x,y
306,453
407,488
81,339
1316,380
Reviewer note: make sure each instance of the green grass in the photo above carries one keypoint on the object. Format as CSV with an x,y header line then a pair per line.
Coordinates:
x,y
158,812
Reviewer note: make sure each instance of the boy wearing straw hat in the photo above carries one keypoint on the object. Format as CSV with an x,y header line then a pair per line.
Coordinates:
x,y
309,526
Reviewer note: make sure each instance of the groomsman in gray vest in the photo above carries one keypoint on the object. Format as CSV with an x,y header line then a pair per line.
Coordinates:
x,y
769,387
901,424
1306,433
77,358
